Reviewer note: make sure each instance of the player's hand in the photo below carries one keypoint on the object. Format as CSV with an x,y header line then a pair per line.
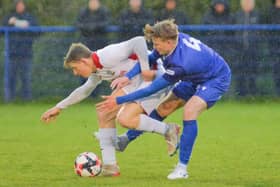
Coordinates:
x,y
50,115
148,75
120,82
109,103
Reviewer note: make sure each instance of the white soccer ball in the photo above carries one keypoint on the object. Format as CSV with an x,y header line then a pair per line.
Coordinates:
x,y
87,164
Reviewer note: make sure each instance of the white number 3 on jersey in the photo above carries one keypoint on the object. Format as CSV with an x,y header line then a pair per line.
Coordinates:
x,y
192,43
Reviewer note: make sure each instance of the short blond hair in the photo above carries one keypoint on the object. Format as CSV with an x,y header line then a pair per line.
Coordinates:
x,y
166,29
76,52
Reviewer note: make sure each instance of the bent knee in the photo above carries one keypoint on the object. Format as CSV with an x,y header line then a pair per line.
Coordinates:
x,y
165,109
190,114
126,121
123,121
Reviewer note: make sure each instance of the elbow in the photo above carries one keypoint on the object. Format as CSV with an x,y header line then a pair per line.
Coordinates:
x,y
139,39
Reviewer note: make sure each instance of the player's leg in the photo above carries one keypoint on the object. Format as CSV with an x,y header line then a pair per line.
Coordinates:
x,y
193,108
174,100
206,96
107,135
132,116
168,105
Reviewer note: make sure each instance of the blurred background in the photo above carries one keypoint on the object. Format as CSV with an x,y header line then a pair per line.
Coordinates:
x,y
35,35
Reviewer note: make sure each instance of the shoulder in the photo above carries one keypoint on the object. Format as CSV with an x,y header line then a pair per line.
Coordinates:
x,y
83,11
147,11
207,17
124,12
181,13
9,16
30,15
104,9
239,13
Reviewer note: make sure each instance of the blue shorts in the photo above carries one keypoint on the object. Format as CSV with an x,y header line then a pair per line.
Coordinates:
x,y
210,91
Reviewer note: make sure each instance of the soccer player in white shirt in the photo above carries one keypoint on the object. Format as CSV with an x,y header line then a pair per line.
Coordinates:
x,y
107,64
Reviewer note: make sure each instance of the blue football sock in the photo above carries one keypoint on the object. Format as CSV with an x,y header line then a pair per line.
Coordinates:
x,y
133,134
187,140
154,114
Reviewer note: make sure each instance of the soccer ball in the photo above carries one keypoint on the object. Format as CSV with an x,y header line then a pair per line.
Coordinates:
x,y
87,164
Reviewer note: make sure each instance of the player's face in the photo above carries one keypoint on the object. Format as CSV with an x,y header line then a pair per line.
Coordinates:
x,y
81,68
164,47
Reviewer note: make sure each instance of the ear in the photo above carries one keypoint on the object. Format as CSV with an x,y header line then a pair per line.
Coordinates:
x,y
169,41
83,60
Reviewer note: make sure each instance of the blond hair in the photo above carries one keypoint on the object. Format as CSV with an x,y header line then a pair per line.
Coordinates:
x,y
76,52
166,29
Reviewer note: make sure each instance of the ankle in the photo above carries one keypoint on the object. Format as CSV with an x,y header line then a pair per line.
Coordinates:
x,y
182,166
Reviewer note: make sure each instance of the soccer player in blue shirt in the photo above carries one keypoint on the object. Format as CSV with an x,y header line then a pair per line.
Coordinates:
x,y
202,77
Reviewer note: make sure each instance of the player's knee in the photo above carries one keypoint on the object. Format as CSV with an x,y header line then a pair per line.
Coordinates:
x,y
164,109
123,121
190,114
103,117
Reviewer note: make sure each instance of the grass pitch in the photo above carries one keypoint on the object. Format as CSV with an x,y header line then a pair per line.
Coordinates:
x,y
238,145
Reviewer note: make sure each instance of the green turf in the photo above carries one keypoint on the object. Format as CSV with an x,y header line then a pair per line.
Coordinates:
x,y
238,145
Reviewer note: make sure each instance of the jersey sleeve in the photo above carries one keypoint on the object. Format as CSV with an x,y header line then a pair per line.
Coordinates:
x,y
174,74
122,51
139,47
80,93
134,71
153,60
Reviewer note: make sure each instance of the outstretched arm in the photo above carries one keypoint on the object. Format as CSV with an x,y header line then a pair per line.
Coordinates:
x,y
80,93
75,97
155,86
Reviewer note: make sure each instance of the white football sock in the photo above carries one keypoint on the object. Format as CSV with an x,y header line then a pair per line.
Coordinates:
x,y
107,137
151,125
182,166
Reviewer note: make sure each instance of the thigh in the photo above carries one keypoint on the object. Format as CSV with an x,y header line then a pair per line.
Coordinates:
x,y
194,107
213,90
153,101
169,104
107,119
128,116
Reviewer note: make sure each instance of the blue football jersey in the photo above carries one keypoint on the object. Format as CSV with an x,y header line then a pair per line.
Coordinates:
x,y
192,61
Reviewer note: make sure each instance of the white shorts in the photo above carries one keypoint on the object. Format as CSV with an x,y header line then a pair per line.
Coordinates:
x,y
151,102
133,85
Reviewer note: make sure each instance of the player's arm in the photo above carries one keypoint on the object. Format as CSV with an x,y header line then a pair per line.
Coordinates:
x,y
75,97
139,47
123,81
150,75
155,86
122,51
111,101
170,77
137,67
